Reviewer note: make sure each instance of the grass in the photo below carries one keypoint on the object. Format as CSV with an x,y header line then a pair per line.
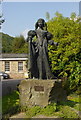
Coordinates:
x,y
77,100
62,110
36,110
11,106
67,112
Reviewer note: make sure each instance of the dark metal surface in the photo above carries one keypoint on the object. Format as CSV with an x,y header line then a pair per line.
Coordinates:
x,y
38,64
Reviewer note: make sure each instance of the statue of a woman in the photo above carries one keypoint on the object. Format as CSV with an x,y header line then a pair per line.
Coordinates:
x,y
38,51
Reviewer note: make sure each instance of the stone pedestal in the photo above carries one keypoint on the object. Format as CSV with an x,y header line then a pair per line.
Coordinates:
x,y
40,92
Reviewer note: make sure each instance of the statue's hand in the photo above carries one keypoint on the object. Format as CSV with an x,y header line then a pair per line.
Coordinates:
x,y
55,43
29,39
51,42
31,34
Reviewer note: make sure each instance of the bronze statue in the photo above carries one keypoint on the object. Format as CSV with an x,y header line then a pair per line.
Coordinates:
x,y
38,64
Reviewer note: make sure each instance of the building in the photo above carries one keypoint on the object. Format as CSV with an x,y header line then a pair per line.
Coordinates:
x,y
14,64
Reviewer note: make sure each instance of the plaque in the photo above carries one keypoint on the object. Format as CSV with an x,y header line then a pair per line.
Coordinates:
x,y
39,88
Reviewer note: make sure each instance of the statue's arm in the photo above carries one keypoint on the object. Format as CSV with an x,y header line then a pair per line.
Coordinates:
x,y
49,39
29,39
31,35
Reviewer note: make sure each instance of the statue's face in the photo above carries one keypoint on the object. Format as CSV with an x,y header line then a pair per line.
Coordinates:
x,y
41,23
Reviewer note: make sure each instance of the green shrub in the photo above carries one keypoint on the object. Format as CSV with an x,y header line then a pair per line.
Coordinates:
x,y
74,97
77,107
65,59
10,103
67,112
49,110
33,111
78,91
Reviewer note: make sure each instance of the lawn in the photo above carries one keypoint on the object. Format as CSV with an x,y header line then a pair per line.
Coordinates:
x,y
10,104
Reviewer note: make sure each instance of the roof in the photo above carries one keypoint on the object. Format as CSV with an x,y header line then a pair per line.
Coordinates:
x,y
12,56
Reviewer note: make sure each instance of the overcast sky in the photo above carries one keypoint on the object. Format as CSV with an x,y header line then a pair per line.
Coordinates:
x,y
22,16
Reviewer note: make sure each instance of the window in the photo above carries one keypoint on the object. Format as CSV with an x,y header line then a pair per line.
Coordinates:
x,y
7,66
20,66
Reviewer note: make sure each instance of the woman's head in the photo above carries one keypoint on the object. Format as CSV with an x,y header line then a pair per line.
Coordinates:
x,y
40,23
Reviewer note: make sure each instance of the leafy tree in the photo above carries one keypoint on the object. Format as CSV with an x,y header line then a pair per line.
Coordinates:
x,y
6,43
13,44
73,15
66,57
19,45
58,15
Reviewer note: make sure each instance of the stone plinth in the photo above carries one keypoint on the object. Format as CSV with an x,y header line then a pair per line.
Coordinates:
x,y
40,92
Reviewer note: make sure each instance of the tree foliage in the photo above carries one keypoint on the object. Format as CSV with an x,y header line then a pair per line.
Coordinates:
x,y
13,44
66,57
6,43
19,45
73,15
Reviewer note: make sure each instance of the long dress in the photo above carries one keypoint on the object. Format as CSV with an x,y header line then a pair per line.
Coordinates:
x,y
39,64
44,71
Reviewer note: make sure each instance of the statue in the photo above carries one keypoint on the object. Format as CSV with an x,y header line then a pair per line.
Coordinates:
x,y
38,64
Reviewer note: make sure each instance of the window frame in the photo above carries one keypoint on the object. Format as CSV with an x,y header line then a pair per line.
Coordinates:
x,y
20,66
7,66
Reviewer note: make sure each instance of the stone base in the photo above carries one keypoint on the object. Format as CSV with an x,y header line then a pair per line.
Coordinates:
x,y
40,92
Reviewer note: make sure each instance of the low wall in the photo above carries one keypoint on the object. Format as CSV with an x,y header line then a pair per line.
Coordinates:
x,y
16,75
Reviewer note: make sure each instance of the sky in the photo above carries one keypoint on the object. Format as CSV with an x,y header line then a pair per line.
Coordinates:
x,y
22,16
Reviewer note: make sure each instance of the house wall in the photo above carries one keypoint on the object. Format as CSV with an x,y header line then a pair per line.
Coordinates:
x,y
14,73
1,66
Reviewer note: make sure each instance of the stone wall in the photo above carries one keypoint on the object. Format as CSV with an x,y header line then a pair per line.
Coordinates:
x,y
1,66
14,73
41,92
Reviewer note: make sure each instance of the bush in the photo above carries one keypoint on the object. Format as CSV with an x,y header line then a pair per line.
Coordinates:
x,y
77,107
10,103
67,112
65,59
33,111
50,109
